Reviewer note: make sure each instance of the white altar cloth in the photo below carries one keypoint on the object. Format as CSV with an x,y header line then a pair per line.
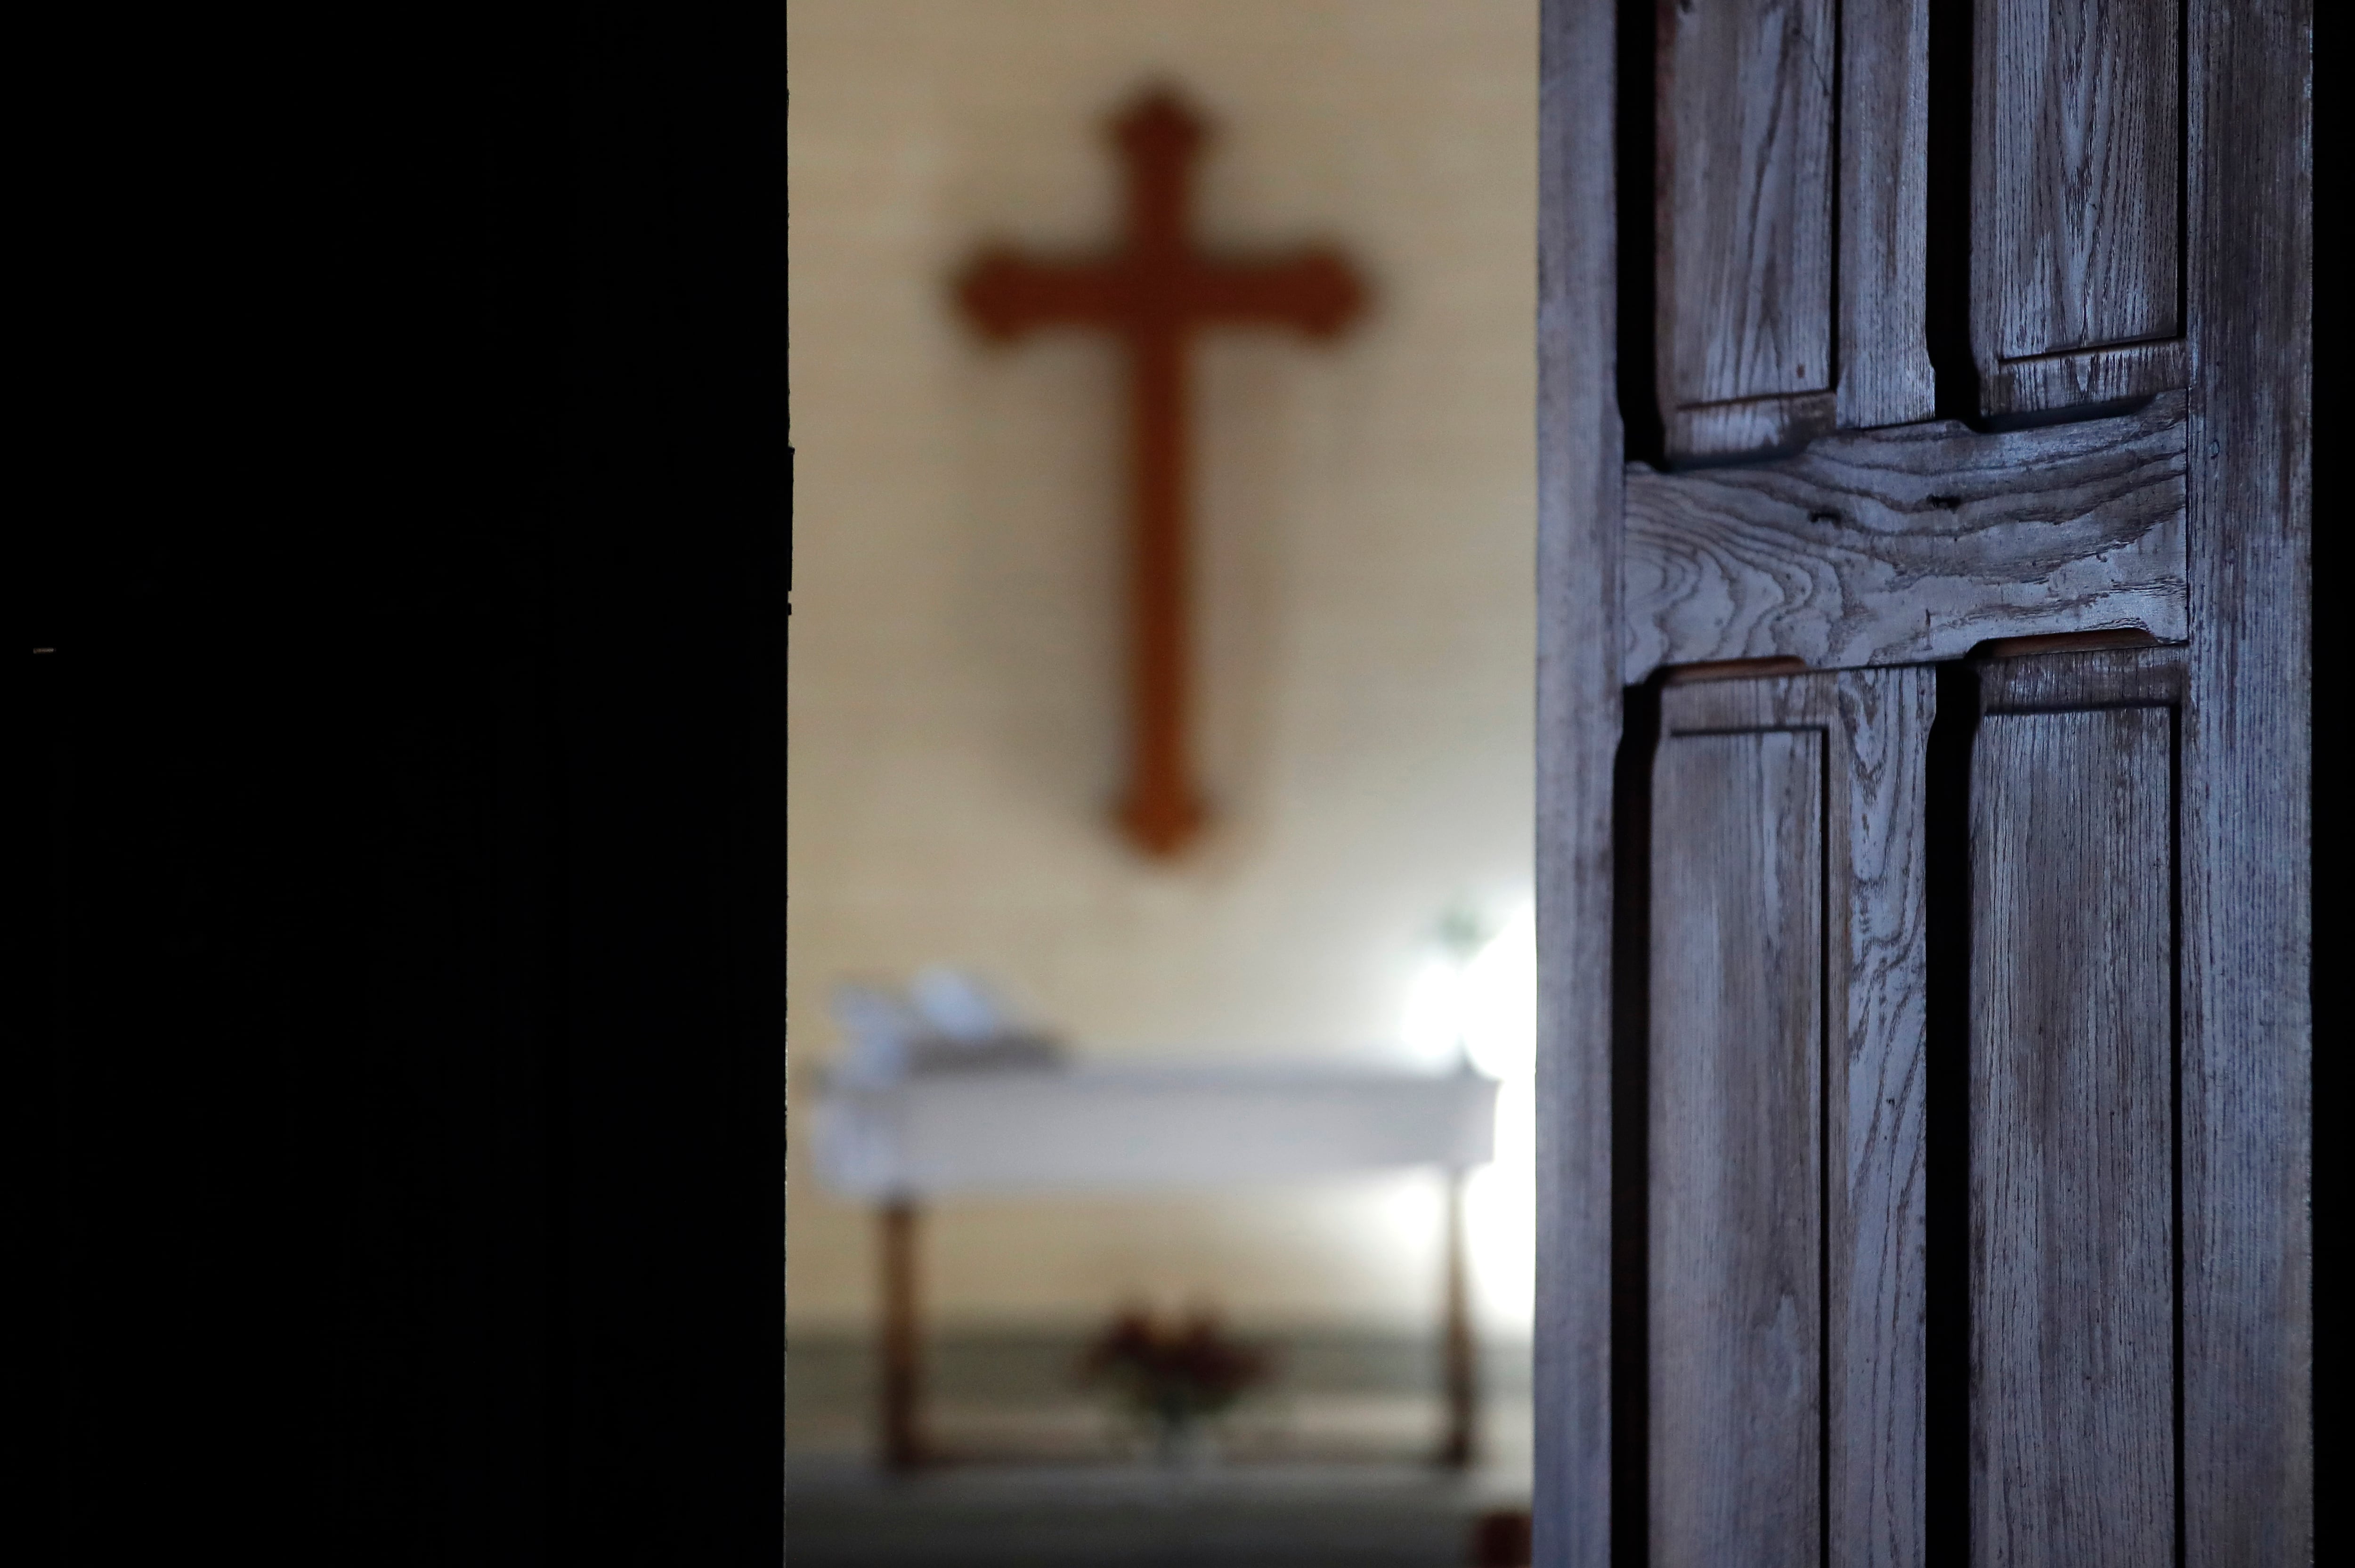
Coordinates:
x,y
1115,1127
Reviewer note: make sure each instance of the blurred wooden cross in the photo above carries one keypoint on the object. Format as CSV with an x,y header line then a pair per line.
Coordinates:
x,y
1155,291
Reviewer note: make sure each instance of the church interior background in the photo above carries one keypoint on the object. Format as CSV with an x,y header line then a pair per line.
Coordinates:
x,y
1363,528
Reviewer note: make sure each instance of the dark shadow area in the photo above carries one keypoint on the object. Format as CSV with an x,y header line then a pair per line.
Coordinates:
x,y
1947,249
394,1137
1946,1110
1631,925
2072,413
1639,404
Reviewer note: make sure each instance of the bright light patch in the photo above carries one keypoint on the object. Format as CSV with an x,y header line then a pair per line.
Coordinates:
x,y
1485,1008
1433,1024
1497,998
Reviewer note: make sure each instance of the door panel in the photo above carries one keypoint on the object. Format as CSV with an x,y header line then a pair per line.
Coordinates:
x,y
1745,226
2061,1283
1790,229
1736,1143
2076,202
2071,1127
1785,1227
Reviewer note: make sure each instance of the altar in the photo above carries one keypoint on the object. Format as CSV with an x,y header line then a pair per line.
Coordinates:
x,y
898,1140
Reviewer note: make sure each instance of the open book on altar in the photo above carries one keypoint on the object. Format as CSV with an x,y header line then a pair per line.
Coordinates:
x,y
949,1095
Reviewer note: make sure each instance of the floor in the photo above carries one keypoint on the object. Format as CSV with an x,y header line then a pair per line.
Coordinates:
x,y
1329,1468
843,1514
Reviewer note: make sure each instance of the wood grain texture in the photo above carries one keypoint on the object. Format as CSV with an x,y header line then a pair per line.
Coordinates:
x,y
1904,545
1736,1146
2069,682
1579,450
1875,725
2240,687
2072,1118
2248,856
2077,187
1883,355
1750,424
2085,376
1875,1110
1746,228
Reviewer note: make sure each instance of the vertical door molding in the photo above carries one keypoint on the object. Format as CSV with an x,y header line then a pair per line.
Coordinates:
x,y
1876,1122
2248,1110
1884,347
1579,449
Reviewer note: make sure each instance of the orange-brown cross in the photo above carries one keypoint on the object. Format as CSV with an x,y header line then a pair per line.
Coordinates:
x,y
1155,291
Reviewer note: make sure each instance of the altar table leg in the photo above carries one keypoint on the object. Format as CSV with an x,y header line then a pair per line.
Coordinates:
x,y
902,1386
1459,1356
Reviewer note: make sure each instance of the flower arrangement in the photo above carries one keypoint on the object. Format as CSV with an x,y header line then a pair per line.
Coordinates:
x,y
1173,1373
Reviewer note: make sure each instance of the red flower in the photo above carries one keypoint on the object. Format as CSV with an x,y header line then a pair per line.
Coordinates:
x,y
1176,1371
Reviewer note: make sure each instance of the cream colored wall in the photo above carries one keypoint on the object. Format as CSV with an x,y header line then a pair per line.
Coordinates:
x,y
1365,524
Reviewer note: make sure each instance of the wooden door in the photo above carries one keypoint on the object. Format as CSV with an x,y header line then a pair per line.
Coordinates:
x,y
1924,866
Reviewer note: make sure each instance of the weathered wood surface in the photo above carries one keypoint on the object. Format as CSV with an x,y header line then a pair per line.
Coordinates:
x,y
1884,358
1579,450
1912,544
2248,847
1876,1107
2076,184
2068,680
2246,1473
1744,227
2084,377
1874,725
1736,1313
2072,1180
